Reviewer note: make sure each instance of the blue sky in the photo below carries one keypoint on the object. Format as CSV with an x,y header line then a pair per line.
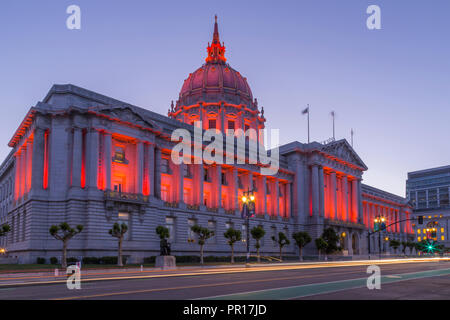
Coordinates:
x,y
392,86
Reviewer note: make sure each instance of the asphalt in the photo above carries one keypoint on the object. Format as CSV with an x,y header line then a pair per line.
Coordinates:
x,y
400,280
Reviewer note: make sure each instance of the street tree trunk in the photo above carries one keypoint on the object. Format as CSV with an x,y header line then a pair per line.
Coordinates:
x,y
281,249
64,256
300,249
119,258
201,254
319,255
257,253
232,253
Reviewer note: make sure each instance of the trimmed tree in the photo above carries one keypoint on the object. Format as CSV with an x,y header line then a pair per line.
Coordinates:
x,y
301,240
4,229
404,246
281,240
162,232
332,239
394,244
203,234
321,245
258,233
64,233
233,236
411,245
118,231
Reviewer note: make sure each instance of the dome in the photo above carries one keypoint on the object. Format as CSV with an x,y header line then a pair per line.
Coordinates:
x,y
217,95
214,82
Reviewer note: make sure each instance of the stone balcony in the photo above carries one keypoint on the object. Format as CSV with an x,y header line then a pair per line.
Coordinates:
x,y
135,198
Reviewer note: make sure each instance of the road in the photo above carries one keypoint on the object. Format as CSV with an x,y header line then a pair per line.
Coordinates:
x,y
400,279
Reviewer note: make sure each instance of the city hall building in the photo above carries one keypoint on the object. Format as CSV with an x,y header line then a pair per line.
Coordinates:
x,y
84,158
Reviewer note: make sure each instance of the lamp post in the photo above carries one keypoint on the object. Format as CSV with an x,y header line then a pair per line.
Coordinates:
x,y
379,225
248,209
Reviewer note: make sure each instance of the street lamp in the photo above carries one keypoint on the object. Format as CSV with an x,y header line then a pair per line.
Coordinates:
x,y
248,209
379,225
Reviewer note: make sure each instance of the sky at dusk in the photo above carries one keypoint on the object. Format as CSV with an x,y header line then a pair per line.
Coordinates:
x,y
392,86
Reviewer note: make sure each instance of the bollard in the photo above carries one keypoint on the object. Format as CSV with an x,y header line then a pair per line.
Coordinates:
x,y
142,268
56,272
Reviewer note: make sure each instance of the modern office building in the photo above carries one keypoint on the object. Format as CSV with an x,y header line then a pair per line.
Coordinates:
x,y
428,192
84,158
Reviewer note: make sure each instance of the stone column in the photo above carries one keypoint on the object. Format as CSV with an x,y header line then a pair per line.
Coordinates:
x,y
276,198
140,167
321,192
107,159
24,168
355,200
37,172
92,158
77,157
151,169
218,185
333,196
157,183
345,197
17,167
262,195
235,189
29,163
359,199
315,190
198,184
288,200
177,181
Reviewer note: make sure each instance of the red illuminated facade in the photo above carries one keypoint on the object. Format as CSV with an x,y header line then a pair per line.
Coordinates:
x,y
85,158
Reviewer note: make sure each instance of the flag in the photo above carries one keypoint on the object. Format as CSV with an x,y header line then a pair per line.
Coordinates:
x,y
305,111
332,113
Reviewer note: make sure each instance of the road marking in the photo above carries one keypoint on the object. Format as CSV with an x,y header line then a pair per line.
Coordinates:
x,y
295,292
253,268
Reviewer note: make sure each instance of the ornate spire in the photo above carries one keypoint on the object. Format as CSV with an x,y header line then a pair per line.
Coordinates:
x,y
216,51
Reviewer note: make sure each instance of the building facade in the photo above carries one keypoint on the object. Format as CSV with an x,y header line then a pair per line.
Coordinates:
x,y
84,158
428,192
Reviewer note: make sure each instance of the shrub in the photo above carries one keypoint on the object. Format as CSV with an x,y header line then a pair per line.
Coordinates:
x,y
53,260
91,260
40,260
149,260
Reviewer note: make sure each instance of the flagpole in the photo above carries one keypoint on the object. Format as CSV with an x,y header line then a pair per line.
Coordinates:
x,y
308,122
332,115
352,137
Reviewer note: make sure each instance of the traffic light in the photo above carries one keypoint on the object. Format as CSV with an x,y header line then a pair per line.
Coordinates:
x,y
420,218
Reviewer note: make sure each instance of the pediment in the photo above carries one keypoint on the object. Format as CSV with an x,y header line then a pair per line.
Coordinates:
x,y
128,114
342,150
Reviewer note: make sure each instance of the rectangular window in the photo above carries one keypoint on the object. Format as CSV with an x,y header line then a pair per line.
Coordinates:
x,y
170,224
124,217
229,225
165,167
244,233
224,179
192,237
212,227
165,193
231,125
443,197
212,124
422,201
432,198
